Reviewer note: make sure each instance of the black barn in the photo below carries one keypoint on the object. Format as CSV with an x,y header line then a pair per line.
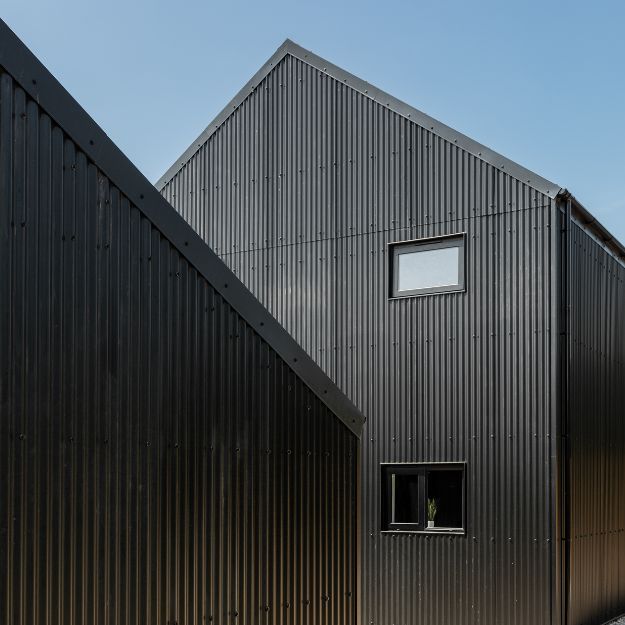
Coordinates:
x,y
169,454
470,308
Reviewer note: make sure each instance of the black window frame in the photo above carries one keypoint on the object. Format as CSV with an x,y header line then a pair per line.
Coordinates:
x,y
421,469
398,248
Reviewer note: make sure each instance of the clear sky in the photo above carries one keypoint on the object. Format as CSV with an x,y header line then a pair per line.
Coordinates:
x,y
542,82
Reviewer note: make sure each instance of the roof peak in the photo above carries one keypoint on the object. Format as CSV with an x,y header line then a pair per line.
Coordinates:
x,y
289,47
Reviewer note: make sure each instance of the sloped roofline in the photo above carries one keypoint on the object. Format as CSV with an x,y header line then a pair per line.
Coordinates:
x,y
600,233
372,92
551,189
40,85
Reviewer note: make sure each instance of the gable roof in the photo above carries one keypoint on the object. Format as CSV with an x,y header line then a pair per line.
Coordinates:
x,y
551,189
289,47
17,60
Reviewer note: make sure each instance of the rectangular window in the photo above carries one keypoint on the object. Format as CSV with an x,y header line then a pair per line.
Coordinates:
x,y
423,497
427,266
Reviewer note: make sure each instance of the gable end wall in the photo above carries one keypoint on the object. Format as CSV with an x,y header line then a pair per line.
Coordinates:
x,y
300,191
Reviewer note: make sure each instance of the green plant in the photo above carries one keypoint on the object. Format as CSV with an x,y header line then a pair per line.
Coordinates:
x,y
432,509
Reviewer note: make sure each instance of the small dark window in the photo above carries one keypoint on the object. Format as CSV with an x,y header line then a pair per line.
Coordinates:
x,y
427,266
423,497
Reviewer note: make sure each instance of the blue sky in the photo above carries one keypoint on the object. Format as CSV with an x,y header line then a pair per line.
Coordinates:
x,y
541,82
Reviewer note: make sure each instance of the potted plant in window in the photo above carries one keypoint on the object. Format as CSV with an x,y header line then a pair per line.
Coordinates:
x,y
432,510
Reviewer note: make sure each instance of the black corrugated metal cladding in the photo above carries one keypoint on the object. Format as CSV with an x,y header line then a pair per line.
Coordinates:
x,y
596,430
159,463
300,190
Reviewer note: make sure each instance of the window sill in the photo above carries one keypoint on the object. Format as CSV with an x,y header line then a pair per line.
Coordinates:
x,y
426,292
437,531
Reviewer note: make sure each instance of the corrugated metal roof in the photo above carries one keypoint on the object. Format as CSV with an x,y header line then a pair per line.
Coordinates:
x,y
39,83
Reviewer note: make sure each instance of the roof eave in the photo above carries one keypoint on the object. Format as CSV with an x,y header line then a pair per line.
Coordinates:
x,y
591,223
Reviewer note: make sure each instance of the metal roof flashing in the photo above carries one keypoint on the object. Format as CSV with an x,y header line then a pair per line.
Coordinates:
x,y
599,232
289,47
18,61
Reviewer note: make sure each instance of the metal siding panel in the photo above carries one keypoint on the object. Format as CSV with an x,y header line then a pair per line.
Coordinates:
x,y
41,86
289,48
596,431
452,377
276,276
160,463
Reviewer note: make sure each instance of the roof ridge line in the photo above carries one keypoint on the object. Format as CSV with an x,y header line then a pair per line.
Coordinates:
x,y
36,80
289,47
243,93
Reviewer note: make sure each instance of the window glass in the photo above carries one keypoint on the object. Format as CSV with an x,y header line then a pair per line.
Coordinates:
x,y
427,268
445,490
405,498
